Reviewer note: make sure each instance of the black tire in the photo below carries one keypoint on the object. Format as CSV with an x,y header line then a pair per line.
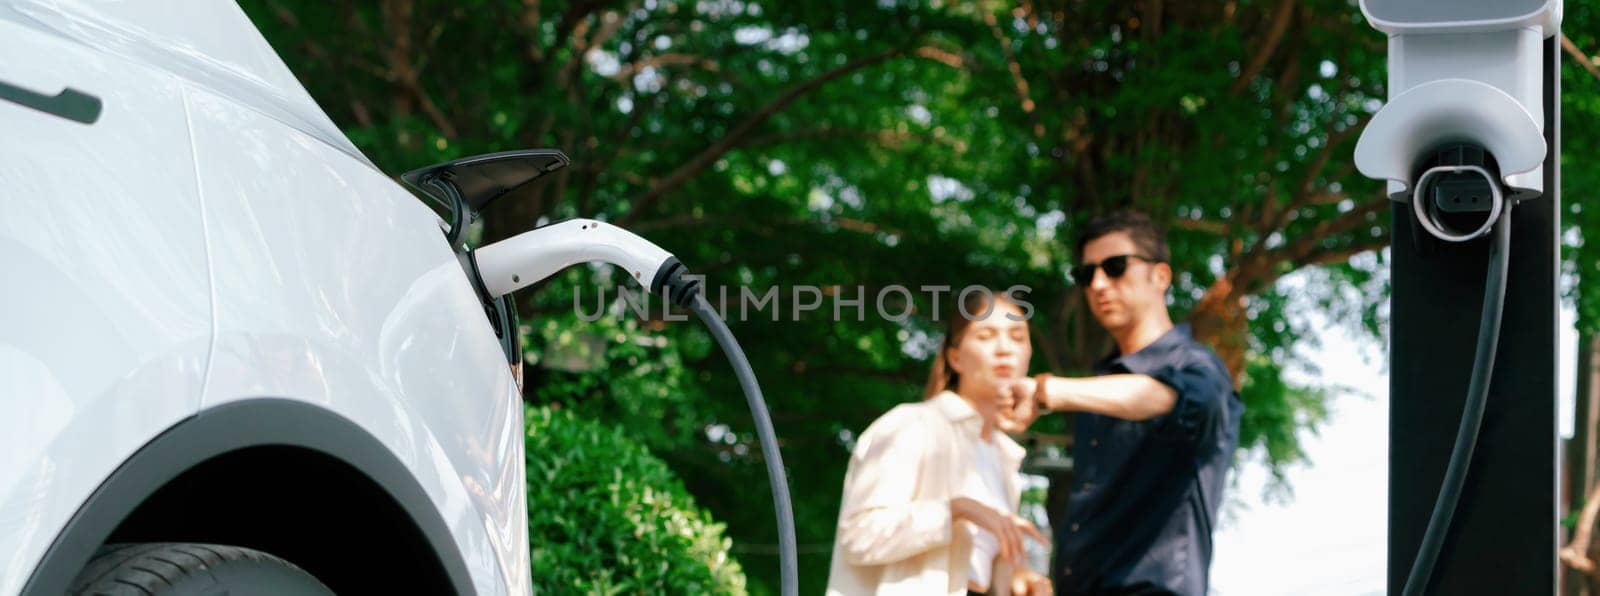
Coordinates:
x,y
185,569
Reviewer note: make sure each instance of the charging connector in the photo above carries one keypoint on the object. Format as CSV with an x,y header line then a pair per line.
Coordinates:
x,y
522,260
527,258
1457,184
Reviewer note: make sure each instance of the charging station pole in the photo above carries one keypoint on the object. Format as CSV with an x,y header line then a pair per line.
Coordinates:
x,y
1503,538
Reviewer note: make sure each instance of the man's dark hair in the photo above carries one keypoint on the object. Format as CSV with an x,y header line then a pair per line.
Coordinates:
x,y
1151,241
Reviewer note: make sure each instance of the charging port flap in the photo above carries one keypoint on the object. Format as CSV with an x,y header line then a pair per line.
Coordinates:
x,y
483,179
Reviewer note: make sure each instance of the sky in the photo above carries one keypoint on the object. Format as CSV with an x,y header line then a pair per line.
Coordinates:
x,y
1331,537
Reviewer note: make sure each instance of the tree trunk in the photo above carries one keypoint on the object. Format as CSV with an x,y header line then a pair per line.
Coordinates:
x,y
1219,322
1073,340
1581,456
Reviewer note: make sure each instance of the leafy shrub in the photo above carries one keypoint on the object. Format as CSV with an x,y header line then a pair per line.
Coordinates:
x,y
607,517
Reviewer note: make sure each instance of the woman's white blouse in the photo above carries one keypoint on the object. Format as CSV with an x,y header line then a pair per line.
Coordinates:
x,y
985,484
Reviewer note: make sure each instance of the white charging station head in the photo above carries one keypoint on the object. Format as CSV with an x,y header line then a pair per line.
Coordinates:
x,y
1461,72
1447,111
1397,17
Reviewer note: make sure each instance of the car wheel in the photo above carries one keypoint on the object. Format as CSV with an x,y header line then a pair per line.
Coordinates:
x,y
186,569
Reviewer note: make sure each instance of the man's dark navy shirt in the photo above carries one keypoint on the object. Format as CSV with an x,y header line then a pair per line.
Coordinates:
x,y
1145,493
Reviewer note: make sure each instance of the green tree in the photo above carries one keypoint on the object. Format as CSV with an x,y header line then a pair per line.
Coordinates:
x,y
1580,114
918,143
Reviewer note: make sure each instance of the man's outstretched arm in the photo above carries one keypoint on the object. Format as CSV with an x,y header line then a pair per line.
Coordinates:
x,y
1126,396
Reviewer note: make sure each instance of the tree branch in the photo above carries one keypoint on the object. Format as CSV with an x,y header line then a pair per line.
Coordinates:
x,y
440,120
531,24
1300,196
576,14
1275,30
669,59
1152,17
888,138
616,147
358,109
1322,199
583,43
1577,54
1202,225
942,56
1332,142
1306,244
288,17
1024,99
1576,554
766,227
402,72
1376,43
611,22
1259,266
1342,254
739,134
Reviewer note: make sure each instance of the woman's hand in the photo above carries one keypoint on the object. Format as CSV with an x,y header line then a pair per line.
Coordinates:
x,y
1025,582
1007,529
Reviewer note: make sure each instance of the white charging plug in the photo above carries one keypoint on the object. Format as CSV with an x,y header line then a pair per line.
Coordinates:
x,y
522,260
525,259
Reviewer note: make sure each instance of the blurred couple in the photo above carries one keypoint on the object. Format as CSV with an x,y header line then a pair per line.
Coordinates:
x,y
932,492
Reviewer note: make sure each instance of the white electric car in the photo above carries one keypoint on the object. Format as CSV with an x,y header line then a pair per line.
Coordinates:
x,y
233,353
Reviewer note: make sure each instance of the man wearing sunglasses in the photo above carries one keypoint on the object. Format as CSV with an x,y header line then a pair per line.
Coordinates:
x,y
1154,429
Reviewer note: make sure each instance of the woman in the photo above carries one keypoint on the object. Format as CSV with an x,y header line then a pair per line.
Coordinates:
x,y
930,495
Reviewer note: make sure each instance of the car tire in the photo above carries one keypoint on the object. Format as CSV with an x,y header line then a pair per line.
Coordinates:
x,y
187,569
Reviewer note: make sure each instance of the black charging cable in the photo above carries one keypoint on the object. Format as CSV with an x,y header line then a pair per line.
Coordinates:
x,y
685,290
1455,476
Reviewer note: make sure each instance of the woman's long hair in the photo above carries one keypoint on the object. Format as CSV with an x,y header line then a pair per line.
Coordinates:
x,y
942,376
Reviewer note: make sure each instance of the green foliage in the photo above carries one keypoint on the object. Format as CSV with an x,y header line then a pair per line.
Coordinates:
x,y
1277,411
1580,179
598,359
606,517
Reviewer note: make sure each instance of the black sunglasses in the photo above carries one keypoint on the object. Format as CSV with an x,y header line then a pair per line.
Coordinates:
x,y
1083,275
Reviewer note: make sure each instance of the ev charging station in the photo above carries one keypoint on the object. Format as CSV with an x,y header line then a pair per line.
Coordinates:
x,y
1469,144
466,186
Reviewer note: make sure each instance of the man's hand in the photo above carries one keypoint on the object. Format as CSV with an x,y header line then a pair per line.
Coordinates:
x,y
1018,407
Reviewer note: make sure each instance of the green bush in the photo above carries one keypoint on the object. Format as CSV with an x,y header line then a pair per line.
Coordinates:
x,y
607,517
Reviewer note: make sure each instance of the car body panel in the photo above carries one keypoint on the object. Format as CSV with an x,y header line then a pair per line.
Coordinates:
x,y
211,237
334,286
104,339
